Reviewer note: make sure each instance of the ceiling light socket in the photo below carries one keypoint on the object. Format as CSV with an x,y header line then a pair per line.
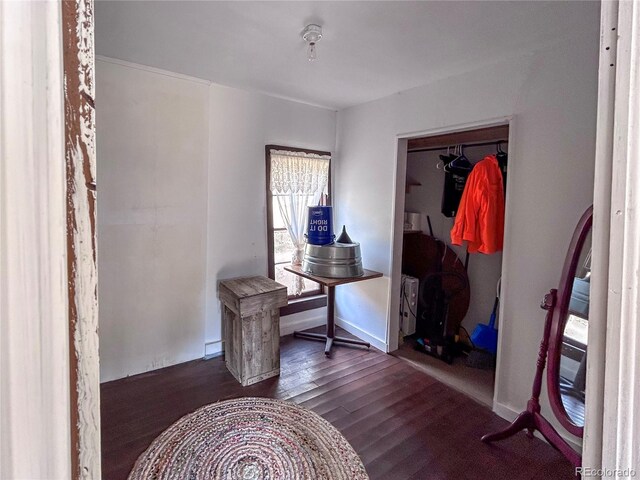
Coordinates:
x,y
312,33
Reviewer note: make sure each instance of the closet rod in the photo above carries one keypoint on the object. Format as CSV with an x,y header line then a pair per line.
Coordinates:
x,y
464,145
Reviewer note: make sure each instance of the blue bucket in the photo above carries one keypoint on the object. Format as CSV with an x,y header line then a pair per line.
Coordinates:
x,y
320,225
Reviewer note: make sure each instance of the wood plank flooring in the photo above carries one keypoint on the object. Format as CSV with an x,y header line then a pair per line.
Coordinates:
x,y
403,423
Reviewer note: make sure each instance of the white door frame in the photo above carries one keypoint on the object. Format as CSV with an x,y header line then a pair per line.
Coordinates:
x,y
34,347
612,431
49,388
592,438
82,275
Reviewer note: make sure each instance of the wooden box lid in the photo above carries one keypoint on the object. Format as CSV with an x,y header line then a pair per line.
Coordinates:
x,y
247,296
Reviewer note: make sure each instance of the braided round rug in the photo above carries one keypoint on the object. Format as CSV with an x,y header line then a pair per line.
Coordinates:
x,y
250,439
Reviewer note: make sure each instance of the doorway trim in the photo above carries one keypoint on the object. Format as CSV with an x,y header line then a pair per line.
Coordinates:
x,y
34,384
398,223
49,388
612,431
82,276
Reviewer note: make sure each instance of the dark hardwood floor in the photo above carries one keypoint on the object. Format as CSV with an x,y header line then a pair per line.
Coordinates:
x,y
403,423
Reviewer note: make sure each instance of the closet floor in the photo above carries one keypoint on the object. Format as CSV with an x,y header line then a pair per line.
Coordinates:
x,y
403,423
473,382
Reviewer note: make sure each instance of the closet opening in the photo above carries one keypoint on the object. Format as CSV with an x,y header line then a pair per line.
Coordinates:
x,y
450,255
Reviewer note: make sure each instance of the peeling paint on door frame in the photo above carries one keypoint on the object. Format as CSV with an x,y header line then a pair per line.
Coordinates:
x,y
78,55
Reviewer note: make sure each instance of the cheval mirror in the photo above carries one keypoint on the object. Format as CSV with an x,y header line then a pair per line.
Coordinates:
x,y
564,346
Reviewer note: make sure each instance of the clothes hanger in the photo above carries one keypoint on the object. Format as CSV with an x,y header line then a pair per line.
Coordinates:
x,y
501,155
460,162
445,159
452,158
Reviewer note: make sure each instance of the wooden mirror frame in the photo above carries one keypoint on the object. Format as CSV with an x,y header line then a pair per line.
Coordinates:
x,y
559,320
557,305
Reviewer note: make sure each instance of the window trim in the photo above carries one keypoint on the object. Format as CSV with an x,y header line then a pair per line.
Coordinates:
x,y
308,300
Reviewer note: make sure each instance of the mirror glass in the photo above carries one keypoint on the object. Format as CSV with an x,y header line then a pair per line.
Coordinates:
x,y
573,359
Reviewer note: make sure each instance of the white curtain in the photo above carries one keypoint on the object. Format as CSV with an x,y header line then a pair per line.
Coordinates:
x,y
298,180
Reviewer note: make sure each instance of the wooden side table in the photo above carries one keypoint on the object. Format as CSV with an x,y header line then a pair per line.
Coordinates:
x,y
251,316
331,283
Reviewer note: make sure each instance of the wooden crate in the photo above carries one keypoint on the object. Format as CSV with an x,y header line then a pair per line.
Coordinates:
x,y
251,318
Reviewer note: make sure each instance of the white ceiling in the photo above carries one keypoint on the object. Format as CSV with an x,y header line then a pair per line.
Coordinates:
x,y
369,49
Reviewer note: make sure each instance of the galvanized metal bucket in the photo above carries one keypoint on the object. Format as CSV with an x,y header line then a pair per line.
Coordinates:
x,y
338,260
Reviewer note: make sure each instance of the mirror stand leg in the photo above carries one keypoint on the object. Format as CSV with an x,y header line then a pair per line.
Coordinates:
x,y
524,420
554,438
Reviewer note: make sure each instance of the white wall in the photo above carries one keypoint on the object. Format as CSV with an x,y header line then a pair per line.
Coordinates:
x,y
552,94
152,153
242,123
426,198
181,205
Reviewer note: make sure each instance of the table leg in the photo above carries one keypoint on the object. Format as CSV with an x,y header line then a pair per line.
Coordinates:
x,y
329,337
331,325
328,345
331,306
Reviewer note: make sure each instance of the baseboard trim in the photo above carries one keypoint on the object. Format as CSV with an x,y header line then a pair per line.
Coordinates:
x,y
287,327
361,334
213,349
503,411
510,414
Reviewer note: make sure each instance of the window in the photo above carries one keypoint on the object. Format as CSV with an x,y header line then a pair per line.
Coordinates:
x,y
296,178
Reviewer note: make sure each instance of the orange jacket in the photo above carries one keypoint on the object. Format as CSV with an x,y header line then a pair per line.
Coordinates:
x,y
480,217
